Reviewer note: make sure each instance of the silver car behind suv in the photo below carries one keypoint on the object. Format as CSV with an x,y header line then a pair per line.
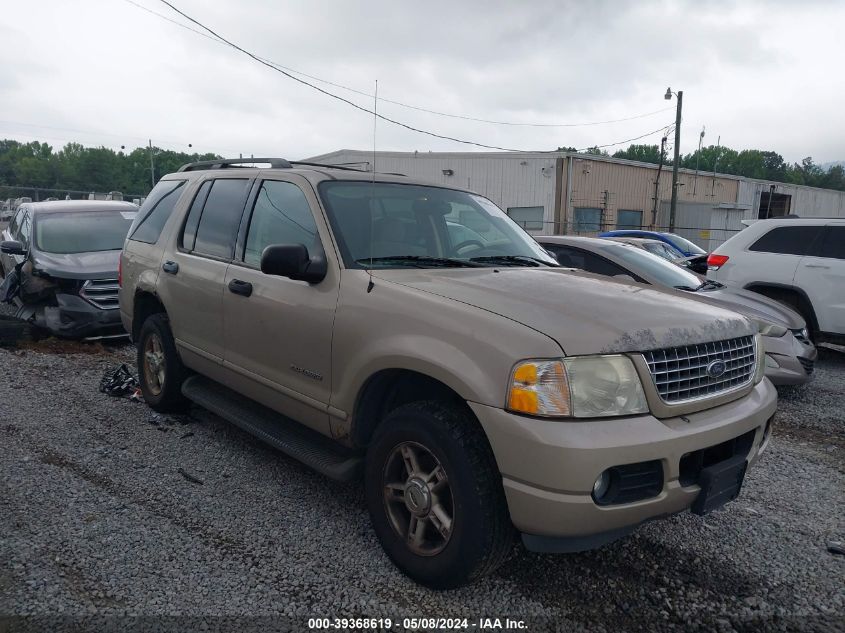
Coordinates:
x,y
790,355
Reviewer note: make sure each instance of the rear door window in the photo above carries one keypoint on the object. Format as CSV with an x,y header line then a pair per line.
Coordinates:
x,y
788,240
221,215
155,211
833,242
189,234
601,266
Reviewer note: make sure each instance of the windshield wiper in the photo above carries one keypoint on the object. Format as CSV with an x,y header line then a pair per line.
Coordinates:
x,y
709,283
687,288
421,261
514,259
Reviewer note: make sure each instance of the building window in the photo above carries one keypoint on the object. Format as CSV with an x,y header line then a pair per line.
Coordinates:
x,y
529,218
586,220
629,219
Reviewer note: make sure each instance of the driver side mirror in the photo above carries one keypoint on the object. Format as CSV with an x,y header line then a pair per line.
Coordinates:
x,y
12,247
294,262
624,277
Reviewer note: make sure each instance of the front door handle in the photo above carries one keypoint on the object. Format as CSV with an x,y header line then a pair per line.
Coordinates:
x,y
239,287
170,267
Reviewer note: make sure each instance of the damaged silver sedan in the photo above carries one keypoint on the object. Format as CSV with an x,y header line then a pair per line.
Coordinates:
x,y
60,260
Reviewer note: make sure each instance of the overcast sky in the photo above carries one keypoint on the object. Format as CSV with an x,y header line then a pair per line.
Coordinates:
x,y
764,75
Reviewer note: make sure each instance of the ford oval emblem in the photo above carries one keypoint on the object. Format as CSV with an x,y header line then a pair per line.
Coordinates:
x,y
716,368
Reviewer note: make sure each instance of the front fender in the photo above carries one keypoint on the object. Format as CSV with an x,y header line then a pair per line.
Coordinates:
x,y
469,349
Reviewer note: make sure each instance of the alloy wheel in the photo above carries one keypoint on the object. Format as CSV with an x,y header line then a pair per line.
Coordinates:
x,y
418,498
154,364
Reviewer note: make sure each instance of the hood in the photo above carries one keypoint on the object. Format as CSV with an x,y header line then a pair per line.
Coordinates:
x,y
583,313
96,265
753,306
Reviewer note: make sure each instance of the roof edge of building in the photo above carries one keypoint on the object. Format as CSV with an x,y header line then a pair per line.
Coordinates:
x,y
367,156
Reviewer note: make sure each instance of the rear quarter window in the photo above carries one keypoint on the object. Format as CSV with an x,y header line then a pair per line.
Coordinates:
x,y
153,214
788,240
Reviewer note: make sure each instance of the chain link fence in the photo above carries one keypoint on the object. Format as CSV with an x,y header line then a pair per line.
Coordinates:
x,y
39,194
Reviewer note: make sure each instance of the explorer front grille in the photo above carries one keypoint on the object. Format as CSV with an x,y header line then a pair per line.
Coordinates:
x,y
681,373
101,292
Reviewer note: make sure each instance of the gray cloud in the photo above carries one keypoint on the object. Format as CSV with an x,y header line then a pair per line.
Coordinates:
x,y
759,74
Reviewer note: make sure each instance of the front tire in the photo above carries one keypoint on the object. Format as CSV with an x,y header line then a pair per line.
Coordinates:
x,y
160,370
435,495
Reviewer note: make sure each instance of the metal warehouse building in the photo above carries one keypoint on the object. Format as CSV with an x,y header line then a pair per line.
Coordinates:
x,y
583,194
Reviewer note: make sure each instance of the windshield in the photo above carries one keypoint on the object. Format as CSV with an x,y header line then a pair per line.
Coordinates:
x,y
64,233
655,268
685,245
397,225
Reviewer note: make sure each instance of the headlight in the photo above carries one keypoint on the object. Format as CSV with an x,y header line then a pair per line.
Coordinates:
x,y
539,387
770,329
581,387
760,369
604,385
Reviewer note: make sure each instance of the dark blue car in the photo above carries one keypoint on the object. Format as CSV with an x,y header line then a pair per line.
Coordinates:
x,y
684,247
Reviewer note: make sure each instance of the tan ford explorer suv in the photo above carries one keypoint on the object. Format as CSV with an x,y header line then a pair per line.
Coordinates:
x,y
414,335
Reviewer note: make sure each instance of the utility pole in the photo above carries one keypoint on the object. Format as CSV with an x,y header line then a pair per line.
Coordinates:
x,y
657,183
716,163
697,161
152,167
674,203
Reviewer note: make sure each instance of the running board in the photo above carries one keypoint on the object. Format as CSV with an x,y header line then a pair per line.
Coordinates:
x,y
290,437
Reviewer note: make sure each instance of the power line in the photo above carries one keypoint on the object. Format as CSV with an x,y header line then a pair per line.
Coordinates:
x,y
219,40
367,110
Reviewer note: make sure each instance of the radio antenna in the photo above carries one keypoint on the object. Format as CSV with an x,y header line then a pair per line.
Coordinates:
x,y
373,188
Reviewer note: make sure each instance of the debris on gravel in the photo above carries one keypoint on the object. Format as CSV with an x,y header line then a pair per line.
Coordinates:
x,y
96,519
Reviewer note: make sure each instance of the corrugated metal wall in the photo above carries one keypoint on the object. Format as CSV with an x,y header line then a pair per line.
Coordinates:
x,y
709,207
805,201
614,186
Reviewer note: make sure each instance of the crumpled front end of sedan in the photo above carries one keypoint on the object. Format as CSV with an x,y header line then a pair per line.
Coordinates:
x,y
68,307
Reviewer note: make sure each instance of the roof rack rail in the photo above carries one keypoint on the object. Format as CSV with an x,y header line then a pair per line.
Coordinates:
x,y
308,164
275,163
344,168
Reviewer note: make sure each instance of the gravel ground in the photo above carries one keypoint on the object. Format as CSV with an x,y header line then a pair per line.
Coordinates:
x,y
96,519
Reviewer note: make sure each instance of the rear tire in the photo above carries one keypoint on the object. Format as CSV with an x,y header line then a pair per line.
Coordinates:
x,y
435,495
160,370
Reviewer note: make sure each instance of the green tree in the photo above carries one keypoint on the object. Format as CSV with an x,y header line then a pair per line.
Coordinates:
x,y
81,168
641,153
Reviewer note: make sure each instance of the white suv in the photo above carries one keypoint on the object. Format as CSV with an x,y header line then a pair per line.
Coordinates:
x,y
800,261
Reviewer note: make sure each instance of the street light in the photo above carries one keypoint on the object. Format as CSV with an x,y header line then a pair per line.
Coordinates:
x,y
674,204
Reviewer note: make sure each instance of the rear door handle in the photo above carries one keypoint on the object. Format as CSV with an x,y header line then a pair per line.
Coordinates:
x,y
170,267
815,266
240,287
